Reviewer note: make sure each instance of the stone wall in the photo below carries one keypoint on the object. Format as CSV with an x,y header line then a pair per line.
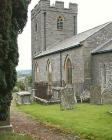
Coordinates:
x,y
88,45
55,63
98,63
102,75
58,69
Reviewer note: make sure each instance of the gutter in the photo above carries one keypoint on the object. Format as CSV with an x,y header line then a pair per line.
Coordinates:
x,y
101,52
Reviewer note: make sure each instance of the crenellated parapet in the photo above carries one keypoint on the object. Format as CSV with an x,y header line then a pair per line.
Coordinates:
x,y
44,5
73,7
59,4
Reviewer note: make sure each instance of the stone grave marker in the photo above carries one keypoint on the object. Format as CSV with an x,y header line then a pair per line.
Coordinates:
x,y
95,94
107,96
67,99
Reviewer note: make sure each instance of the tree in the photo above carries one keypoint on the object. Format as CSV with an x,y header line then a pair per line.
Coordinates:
x,y
13,17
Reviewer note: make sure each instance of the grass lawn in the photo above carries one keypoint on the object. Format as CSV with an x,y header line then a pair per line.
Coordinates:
x,y
91,121
13,136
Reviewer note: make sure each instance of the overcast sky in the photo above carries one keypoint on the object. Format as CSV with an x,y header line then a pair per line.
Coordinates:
x,y
91,13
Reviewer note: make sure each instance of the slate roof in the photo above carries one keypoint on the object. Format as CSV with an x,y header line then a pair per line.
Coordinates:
x,y
106,47
72,42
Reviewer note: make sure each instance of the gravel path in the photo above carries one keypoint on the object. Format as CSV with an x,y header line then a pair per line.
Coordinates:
x,y
24,124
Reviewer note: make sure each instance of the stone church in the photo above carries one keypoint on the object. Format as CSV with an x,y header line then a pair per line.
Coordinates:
x,y
62,57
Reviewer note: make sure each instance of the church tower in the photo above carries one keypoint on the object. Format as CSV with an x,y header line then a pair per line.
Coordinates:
x,y
51,24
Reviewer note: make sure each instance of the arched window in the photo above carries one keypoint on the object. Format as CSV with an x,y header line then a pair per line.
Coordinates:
x,y
49,72
60,22
68,69
36,73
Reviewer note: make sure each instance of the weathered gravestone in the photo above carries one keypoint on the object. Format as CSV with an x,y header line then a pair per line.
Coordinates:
x,y
95,94
67,98
56,93
107,96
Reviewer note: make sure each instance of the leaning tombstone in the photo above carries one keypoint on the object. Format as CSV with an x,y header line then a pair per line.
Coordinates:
x,y
67,98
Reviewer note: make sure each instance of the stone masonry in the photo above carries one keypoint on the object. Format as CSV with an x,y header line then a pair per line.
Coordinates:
x,y
44,24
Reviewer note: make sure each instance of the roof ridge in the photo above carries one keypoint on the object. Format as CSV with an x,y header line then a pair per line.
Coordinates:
x,y
101,46
95,27
61,41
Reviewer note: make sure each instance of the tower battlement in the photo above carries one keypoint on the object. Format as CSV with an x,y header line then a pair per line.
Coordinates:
x,y
59,5
73,6
42,5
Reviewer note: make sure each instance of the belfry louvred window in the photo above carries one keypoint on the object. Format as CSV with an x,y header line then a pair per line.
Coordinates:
x,y
60,22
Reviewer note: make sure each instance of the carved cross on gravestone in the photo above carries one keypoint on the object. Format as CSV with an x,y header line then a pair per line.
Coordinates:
x,y
67,99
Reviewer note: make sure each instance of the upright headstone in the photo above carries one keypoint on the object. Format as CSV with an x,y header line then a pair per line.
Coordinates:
x,y
67,98
56,93
95,94
107,96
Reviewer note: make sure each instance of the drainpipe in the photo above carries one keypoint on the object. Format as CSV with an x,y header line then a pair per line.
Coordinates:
x,y
44,31
60,69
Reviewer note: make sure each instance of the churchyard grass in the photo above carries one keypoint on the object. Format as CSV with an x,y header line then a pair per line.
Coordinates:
x,y
13,136
87,120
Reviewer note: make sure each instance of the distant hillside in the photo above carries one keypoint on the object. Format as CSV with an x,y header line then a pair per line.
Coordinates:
x,y
23,72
